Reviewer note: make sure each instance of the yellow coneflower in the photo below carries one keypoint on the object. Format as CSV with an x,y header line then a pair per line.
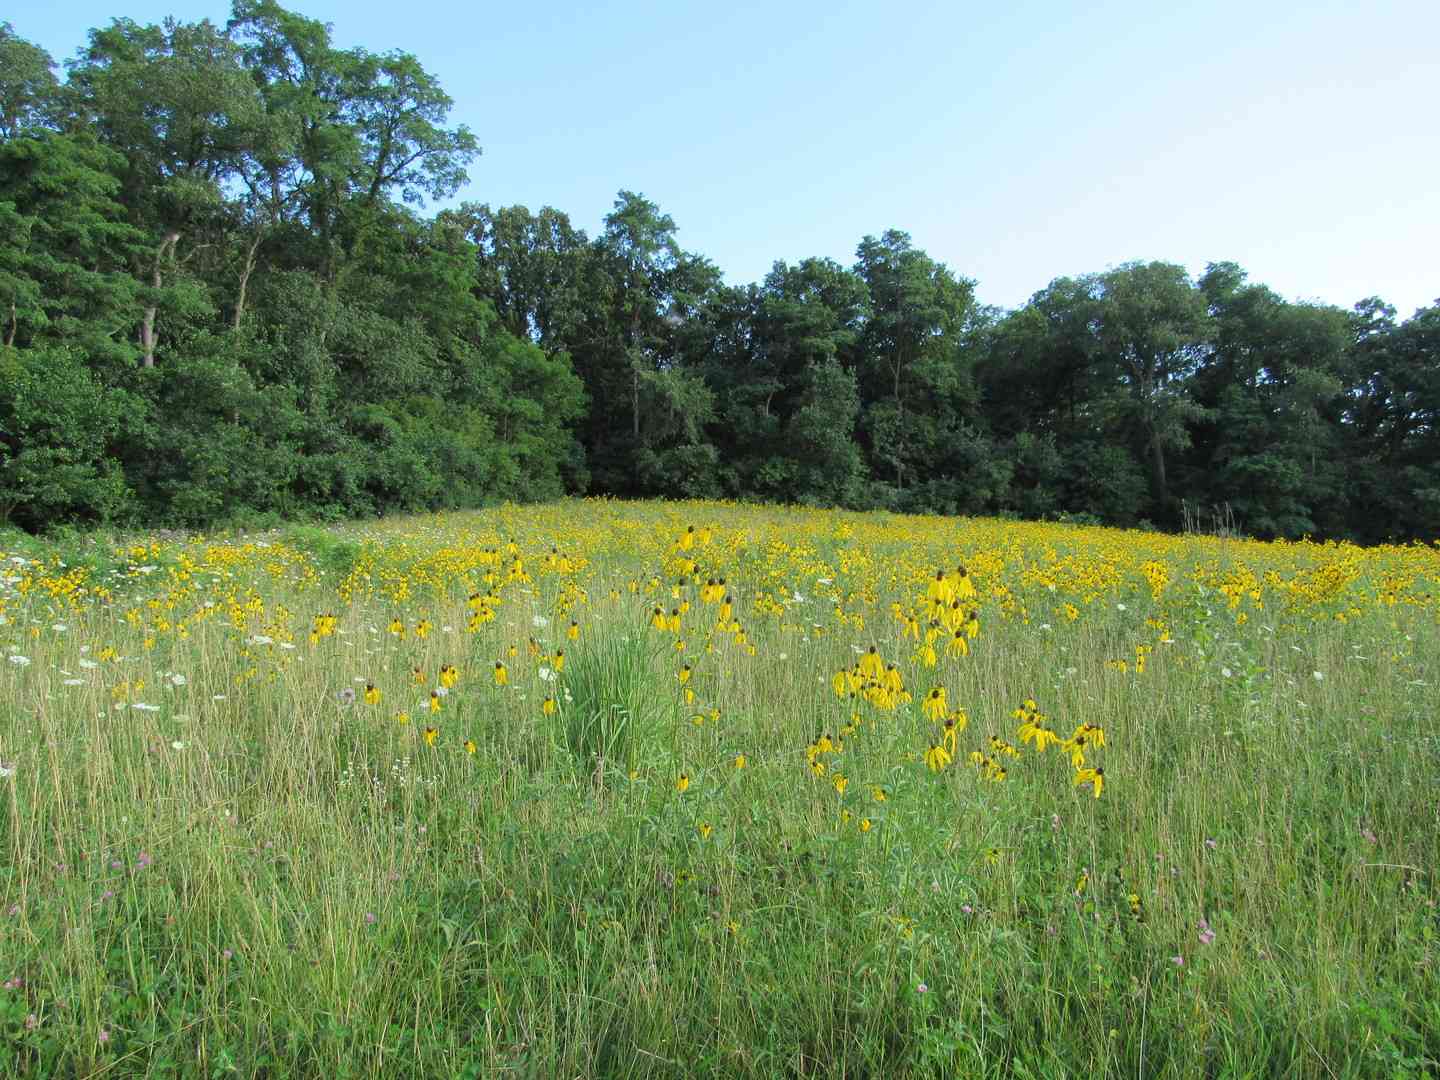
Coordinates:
x,y
684,675
937,757
470,746
372,694
559,662
502,677
682,783
573,633
397,628
704,829
431,734
740,761
434,702
841,782
449,676
423,628
548,706
864,824
935,706
1094,777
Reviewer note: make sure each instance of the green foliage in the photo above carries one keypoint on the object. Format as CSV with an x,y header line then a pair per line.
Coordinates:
x,y
56,422
221,230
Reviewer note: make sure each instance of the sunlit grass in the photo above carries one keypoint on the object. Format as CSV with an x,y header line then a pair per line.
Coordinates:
x,y
270,811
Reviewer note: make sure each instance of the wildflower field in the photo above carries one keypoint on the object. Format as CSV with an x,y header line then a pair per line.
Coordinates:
x,y
679,789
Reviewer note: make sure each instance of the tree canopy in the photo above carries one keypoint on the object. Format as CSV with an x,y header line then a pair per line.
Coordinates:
x,y
233,288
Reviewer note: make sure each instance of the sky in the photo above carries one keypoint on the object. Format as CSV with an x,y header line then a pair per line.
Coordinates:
x,y
1016,143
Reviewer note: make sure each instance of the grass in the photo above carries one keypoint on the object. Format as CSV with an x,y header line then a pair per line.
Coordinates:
x,y
223,857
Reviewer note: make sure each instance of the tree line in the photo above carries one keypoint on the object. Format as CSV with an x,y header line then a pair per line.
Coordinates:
x,y
221,300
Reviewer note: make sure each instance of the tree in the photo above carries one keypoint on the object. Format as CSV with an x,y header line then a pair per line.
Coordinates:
x,y
30,96
910,344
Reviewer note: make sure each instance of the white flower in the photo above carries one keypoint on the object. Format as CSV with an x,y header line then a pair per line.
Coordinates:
x,y
546,674
74,682
1120,607
144,707
260,639
218,697
824,581
540,621
18,660
1319,676
6,771
177,679
89,665
59,628
1226,672
177,745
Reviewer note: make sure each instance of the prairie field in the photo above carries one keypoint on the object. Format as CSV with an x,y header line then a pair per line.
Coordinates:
x,y
701,789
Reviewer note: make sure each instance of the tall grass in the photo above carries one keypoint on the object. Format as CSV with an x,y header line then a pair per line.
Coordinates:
x,y
264,875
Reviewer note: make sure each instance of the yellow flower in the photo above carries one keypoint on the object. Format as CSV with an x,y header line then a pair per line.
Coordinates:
x,y
682,783
841,782
937,757
502,677
397,628
372,694
402,718
935,706
431,734
434,702
684,675
423,628
449,675
548,706
864,824
573,633
704,830
470,746
740,761
1093,777
559,662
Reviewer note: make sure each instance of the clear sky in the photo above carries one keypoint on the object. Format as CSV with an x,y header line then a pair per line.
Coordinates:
x,y
1015,142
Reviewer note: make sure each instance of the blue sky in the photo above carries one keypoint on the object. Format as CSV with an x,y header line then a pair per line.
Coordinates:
x,y
1016,143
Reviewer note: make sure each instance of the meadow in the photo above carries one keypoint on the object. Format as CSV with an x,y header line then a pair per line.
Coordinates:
x,y
699,789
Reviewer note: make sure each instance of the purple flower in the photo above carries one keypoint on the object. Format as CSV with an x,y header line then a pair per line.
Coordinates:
x,y
346,696
143,860
1211,844
1206,934
104,1036
1178,960
370,918
922,989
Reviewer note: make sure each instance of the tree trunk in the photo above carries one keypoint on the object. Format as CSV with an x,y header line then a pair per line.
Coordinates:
x,y
1158,487
10,331
157,280
245,282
